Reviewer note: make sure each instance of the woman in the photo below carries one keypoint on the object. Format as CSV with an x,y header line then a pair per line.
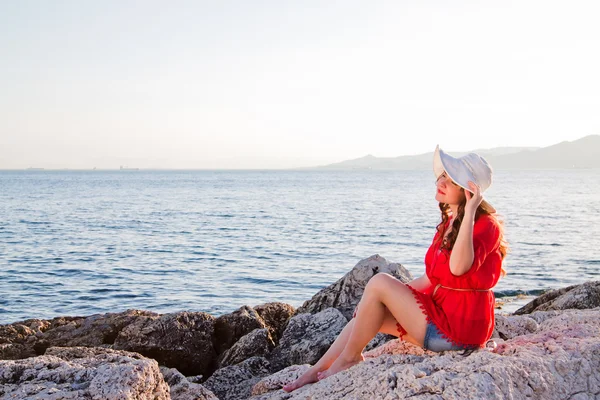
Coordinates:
x,y
450,307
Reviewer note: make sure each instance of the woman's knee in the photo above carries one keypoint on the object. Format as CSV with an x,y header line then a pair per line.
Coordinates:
x,y
381,281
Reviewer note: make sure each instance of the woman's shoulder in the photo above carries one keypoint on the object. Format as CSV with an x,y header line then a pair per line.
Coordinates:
x,y
487,225
487,219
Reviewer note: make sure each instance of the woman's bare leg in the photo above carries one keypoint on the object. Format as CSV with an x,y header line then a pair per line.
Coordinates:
x,y
383,291
325,361
388,326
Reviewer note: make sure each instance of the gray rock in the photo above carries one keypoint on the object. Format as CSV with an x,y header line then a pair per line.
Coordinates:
x,y
279,379
99,330
508,327
178,340
378,340
33,336
558,360
584,296
82,373
348,290
229,328
235,381
256,343
182,389
276,316
306,338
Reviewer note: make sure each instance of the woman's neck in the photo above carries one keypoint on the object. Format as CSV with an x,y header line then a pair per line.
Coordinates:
x,y
454,209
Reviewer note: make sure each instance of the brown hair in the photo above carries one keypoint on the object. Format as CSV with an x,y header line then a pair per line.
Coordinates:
x,y
448,244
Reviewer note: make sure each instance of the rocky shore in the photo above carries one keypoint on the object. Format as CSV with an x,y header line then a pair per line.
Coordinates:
x,y
548,349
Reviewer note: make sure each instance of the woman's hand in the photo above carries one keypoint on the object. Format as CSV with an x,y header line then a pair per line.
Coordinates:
x,y
474,199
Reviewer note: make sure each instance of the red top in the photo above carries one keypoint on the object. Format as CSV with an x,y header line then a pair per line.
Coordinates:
x,y
465,317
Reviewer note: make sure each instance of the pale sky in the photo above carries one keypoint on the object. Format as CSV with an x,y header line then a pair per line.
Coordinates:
x,y
279,84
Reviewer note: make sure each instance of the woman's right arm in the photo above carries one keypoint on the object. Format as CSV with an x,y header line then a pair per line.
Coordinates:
x,y
421,283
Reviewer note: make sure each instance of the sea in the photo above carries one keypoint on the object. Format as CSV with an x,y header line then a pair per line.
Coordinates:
x,y
85,242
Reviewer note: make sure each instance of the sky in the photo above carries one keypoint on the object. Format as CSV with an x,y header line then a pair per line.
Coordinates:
x,y
282,84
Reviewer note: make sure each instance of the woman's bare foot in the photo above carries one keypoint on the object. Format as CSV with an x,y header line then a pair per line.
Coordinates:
x,y
340,364
309,376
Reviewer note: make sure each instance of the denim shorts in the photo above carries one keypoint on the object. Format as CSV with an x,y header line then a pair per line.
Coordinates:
x,y
435,340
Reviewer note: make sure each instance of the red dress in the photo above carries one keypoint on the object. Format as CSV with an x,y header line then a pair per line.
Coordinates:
x,y
466,317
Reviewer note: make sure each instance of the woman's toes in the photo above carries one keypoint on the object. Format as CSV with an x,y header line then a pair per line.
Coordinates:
x,y
288,388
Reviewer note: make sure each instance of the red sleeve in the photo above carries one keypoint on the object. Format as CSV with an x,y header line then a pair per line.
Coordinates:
x,y
486,235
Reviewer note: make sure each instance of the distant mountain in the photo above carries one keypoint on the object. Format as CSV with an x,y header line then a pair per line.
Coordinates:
x,y
581,153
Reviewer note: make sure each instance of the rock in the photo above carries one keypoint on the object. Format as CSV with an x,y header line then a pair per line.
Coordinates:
x,y
276,316
17,340
347,291
257,343
83,373
508,327
379,340
279,379
32,337
181,340
235,381
229,328
584,296
99,330
558,360
182,389
397,346
306,338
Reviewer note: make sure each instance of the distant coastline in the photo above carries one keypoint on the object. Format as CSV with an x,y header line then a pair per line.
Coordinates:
x,y
578,154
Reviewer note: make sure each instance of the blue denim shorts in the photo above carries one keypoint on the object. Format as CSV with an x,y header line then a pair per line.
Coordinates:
x,y
435,340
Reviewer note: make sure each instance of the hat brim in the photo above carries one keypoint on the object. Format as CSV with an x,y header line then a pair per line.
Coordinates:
x,y
443,162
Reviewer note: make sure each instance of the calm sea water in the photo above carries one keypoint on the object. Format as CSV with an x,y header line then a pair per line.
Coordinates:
x,y
78,243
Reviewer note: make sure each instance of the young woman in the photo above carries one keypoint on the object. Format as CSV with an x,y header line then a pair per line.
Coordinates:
x,y
450,307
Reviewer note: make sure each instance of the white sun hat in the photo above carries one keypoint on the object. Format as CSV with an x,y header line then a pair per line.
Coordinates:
x,y
471,167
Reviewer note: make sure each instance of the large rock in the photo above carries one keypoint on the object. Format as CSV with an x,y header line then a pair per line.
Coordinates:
x,y
229,328
83,373
33,336
560,359
182,389
584,296
276,316
255,344
347,291
511,326
179,340
99,330
235,381
306,338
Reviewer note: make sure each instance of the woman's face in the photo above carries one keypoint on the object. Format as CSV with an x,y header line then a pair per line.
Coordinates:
x,y
447,191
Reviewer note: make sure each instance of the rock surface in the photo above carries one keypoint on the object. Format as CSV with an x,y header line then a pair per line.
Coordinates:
x,y
345,294
584,296
276,316
179,340
306,338
33,336
560,359
229,328
83,373
542,354
256,343
235,381
182,389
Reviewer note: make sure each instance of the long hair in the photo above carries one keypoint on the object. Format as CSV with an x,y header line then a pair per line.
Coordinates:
x,y
448,244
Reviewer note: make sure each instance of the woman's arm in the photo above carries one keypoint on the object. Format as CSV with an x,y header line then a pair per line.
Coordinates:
x,y
462,255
